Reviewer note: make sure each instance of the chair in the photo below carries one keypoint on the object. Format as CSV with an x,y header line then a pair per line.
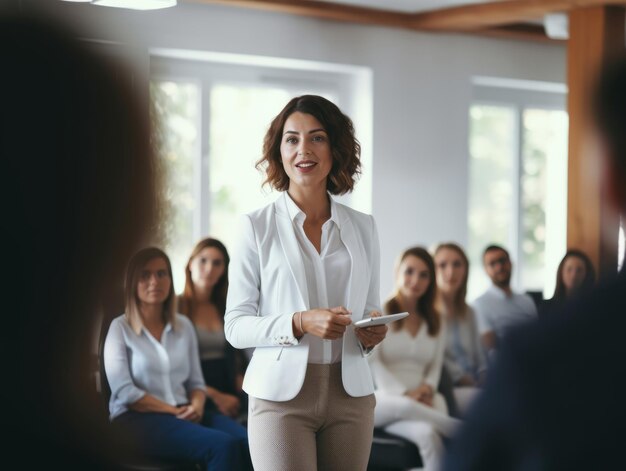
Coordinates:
x,y
135,463
392,453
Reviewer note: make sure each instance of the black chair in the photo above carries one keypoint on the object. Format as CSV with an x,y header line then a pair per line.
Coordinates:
x,y
392,453
138,463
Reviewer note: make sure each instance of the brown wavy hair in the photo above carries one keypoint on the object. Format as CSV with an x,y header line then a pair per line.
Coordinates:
x,y
560,292
186,300
345,148
425,304
460,304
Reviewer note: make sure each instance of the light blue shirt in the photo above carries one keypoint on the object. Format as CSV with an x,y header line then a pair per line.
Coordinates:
x,y
137,365
497,312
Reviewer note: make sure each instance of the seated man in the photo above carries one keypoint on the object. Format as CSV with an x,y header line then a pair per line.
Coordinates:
x,y
499,308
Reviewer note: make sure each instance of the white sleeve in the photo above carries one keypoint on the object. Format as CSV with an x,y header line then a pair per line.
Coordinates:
x,y
117,367
196,379
243,326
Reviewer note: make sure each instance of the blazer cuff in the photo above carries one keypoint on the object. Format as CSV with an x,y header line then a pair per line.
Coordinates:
x,y
284,334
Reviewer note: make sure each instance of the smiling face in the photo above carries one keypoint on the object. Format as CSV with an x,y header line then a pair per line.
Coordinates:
x,y
305,152
451,271
207,267
154,282
413,278
574,272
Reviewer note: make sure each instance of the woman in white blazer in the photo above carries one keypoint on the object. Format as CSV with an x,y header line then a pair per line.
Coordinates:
x,y
307,267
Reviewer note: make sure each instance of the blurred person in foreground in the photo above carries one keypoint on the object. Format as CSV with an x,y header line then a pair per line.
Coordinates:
x,y
78,197
555,398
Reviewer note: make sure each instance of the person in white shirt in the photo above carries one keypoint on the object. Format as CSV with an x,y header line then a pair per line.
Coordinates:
x,y
152,366
305,269
499,308
407,366
464,357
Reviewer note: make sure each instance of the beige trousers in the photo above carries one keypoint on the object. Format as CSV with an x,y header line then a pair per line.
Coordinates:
x,y
322,428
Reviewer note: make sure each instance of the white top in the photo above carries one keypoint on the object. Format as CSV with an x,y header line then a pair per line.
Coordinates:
x,y
496,312
402,362
327,275
464,352
268,284
137,365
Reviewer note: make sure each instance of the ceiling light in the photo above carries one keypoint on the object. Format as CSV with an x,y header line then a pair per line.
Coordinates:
x,y
136,4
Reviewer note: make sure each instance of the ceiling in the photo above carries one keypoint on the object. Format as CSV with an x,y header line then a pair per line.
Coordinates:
x,y
408,6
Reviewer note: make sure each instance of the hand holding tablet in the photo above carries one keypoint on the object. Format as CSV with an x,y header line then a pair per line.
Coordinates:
x,y
381,320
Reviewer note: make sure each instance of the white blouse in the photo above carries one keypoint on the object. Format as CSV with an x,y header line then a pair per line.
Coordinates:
x,y
402,362
327,276
137,365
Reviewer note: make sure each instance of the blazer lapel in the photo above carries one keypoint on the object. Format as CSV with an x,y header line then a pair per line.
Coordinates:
x,y
358,279
288,240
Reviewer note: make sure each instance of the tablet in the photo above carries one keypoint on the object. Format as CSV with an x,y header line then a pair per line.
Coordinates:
x,y
370,321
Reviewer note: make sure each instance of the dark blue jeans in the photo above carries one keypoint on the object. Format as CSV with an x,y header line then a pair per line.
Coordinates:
x,y
218,442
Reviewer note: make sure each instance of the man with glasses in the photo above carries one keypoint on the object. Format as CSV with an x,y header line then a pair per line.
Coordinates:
x,y
499,308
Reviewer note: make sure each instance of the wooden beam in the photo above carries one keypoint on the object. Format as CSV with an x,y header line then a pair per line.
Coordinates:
x,y
464,18
596,35
485,15
522,31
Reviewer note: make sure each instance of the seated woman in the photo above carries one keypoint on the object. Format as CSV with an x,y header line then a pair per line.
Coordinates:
x,y
204,302
152,365
407,365
464,357
574,276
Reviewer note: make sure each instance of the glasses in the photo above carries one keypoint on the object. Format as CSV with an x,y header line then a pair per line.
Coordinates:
x,y
498,261
146,275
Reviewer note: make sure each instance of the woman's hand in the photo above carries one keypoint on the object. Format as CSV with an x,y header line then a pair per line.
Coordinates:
x,y
327,324
190,413
423,393
371,336
227,404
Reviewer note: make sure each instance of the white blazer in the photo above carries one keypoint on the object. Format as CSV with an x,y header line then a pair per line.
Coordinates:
x,y
267,285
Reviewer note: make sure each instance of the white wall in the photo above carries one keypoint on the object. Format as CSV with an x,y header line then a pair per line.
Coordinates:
x,y
422,92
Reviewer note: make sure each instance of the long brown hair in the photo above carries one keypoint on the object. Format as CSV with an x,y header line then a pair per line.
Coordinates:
x,y
133,274
426,303
560,292
459,302
218,293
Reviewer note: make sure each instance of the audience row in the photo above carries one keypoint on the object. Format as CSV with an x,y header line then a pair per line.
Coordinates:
x,y
183,367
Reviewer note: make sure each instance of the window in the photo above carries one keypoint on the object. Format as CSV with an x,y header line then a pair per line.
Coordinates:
x,y
212,118
518,180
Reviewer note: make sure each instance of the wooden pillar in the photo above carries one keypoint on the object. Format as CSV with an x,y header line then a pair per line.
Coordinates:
x,y
596,34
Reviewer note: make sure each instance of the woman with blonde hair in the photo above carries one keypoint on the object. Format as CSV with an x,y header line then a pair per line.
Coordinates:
x,y
152,366
464,357
204,302
407,366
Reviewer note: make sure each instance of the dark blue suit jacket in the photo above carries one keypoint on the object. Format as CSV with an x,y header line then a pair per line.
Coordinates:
x,y
555,399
